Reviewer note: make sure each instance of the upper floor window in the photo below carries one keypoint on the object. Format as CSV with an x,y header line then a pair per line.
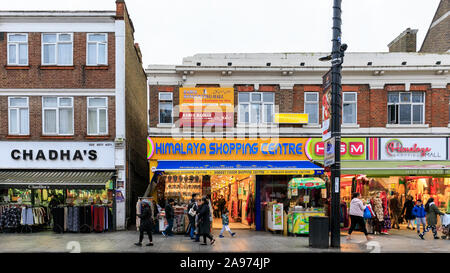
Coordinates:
x,y
406,107
165,107
57,49
349,100
18,116
97,116
17,49
97,49
312,107
256,107
57,115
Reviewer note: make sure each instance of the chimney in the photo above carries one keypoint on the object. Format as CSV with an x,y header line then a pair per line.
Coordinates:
x,y
120,9
405,42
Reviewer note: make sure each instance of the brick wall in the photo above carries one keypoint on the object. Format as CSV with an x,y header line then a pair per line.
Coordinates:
x,y
35,119
77,76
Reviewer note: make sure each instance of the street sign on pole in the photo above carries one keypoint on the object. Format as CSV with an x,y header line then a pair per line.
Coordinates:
x,y
329,158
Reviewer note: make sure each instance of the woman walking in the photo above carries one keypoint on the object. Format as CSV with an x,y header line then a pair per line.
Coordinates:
x,y
432,213
356,215
407,211
146,223
204,221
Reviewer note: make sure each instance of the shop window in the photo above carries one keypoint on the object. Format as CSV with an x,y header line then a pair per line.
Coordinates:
x,y
18,116
256,107
97,116
165,108
97,49
57,49
312,107
349,112
57,115
17,49
406,107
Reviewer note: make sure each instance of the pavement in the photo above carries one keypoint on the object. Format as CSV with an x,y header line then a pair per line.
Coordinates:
x,y
246,241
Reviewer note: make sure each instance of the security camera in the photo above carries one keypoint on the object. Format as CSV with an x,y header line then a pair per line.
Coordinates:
x,y
343,47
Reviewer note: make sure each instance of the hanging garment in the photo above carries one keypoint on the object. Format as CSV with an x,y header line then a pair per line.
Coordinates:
x,y
76,219
378,209
66,212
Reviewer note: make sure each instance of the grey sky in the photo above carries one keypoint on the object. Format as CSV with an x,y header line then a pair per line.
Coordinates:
x,y
168,30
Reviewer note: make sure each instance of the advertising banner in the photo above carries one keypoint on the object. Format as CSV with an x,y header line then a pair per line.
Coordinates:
x,y
277,216
413,149
212,106
351,149
326,106
160,148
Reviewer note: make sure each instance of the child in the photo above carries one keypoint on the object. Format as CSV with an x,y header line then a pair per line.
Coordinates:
x,y
419,212
225,222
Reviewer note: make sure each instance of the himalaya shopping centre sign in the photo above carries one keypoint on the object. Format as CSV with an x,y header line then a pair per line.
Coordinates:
x,y
413,149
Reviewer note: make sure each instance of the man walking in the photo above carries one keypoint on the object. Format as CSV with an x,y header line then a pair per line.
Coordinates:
x,y
169,217
192,211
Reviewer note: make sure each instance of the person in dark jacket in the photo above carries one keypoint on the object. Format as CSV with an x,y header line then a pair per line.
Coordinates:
x,y
407,211
204,221
155,217
146,223
395,207
432,213
192,205
169,217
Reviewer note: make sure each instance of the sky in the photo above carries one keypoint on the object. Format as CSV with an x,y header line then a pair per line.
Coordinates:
x,y
168,30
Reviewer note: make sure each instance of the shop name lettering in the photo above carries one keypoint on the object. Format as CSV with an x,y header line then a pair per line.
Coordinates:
x,y
54,155
230,148
396,146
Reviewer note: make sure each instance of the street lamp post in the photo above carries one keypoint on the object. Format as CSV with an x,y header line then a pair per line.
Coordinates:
x,y
337,58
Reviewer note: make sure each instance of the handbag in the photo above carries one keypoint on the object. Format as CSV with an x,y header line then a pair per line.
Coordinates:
x,y
367,214
192,212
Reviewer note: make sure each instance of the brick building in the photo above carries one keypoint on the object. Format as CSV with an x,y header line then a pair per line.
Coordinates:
x,y
437,39
73,100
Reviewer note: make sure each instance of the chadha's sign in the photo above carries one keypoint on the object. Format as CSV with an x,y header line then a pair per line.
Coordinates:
x,y
413,149
226,149
56,155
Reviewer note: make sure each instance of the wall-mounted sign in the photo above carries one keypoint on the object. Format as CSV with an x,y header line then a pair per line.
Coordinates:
x,y
56,155
212,106
160,148
291,118
413,149
351,149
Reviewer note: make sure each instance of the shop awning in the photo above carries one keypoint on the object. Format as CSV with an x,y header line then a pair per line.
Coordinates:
x,y
240,167
307,183
396,168
55,179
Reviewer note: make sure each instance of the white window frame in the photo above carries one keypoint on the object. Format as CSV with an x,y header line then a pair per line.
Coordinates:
x,y
350,102
317,102
56,48
97,47
261,103
57,107
17,49
98,115
159,106
407,103
17,108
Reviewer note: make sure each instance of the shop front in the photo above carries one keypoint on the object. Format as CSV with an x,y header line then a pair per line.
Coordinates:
x,y
416,167
246,176
59,186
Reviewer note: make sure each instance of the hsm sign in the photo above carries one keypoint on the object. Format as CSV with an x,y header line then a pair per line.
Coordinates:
x,y
351,149
56,155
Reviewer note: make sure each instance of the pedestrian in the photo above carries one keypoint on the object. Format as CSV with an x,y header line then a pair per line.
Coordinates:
x,y
225,224
216,207
395,207
146,223
204,222
155,216
211,211
407,211
357,215
419,212
432,212
192,211
169,217
222,204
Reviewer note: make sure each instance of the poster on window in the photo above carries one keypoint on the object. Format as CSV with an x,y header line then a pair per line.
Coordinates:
x,y
212,106
277,216
413,149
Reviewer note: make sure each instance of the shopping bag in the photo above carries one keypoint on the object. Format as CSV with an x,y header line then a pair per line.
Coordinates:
x,y
367,214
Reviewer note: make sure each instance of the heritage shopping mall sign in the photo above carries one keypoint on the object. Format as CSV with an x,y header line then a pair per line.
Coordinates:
x,y
413,149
